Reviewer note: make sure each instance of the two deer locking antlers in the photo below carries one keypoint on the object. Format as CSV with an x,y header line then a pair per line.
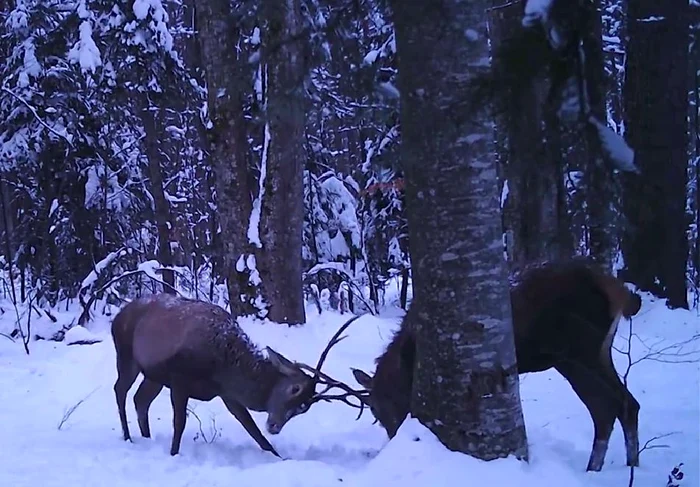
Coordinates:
x,y
198,351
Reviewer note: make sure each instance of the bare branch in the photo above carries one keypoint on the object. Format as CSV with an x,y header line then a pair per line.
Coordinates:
x,y
215,433
68,412
38,118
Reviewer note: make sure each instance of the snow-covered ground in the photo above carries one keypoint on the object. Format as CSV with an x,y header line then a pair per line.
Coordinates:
x,y
326,446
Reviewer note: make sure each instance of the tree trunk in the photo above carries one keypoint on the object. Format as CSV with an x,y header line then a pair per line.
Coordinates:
x,y
152,129
466,379
226,76
282,207
597,174
656,99
531,171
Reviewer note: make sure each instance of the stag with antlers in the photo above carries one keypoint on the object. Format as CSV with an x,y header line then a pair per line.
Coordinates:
x,y
198,351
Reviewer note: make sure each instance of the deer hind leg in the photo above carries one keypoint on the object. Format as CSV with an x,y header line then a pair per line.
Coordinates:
x,y
629,419
148,390
590,386
127,371
178,398
628,412
243,416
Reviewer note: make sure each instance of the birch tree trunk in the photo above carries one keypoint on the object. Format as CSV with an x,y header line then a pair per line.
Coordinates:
x,y
466,386
282,206
226,76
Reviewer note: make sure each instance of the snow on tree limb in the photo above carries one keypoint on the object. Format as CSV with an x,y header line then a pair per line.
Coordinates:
x,y
254,223
536,11
614,147
101,266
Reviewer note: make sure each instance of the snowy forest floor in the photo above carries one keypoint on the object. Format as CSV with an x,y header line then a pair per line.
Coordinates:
x,y
326,446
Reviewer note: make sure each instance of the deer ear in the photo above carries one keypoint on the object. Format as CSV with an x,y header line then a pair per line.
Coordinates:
x,y
362,378
283,364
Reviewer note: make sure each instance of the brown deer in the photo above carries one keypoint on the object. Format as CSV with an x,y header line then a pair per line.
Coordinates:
x,y
565,315
198,351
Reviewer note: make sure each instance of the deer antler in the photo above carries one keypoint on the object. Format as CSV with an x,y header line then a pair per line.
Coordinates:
x,y
329,382
334,341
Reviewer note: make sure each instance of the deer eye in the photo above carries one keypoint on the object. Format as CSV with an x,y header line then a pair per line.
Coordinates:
x,y
295,390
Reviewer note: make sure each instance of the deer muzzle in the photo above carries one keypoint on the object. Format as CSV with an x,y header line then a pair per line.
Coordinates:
x,y
273,427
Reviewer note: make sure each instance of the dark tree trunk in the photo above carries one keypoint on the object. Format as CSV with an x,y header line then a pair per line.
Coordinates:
x,y
152,128
694,151
530,168
656,102
466,380
597,174
226,77
282,208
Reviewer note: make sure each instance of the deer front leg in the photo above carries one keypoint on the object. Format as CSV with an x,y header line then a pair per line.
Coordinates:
x,y
243,417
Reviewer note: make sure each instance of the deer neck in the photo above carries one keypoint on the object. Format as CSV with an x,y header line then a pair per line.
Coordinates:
x,y
251,386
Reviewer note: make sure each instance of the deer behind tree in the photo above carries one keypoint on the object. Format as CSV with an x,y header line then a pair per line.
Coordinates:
x,y
565,315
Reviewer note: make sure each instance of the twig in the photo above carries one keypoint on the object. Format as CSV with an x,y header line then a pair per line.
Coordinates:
x,y
8,337
67,413
649,446
214,435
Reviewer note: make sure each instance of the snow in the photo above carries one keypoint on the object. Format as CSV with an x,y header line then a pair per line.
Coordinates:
x,y
85,52
97,183
54,207
536,10
100,266
504,193
389,90
254,222
158,23
371,57
30,64
615,147
51,438
78,334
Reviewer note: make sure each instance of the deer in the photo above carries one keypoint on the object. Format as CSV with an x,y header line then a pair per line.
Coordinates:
x,y
565,316
197,350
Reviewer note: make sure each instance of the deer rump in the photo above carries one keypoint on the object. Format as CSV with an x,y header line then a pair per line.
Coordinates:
x,y
565,315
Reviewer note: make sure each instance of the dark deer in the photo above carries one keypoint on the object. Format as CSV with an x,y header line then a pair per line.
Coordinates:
x,y
565,315
198,351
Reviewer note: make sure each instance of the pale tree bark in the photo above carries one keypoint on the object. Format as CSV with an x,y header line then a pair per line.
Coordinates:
x,y
226,77
282,206
655,245
466,386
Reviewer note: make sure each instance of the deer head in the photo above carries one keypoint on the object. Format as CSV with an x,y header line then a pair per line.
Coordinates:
x,y
389,410
290,396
